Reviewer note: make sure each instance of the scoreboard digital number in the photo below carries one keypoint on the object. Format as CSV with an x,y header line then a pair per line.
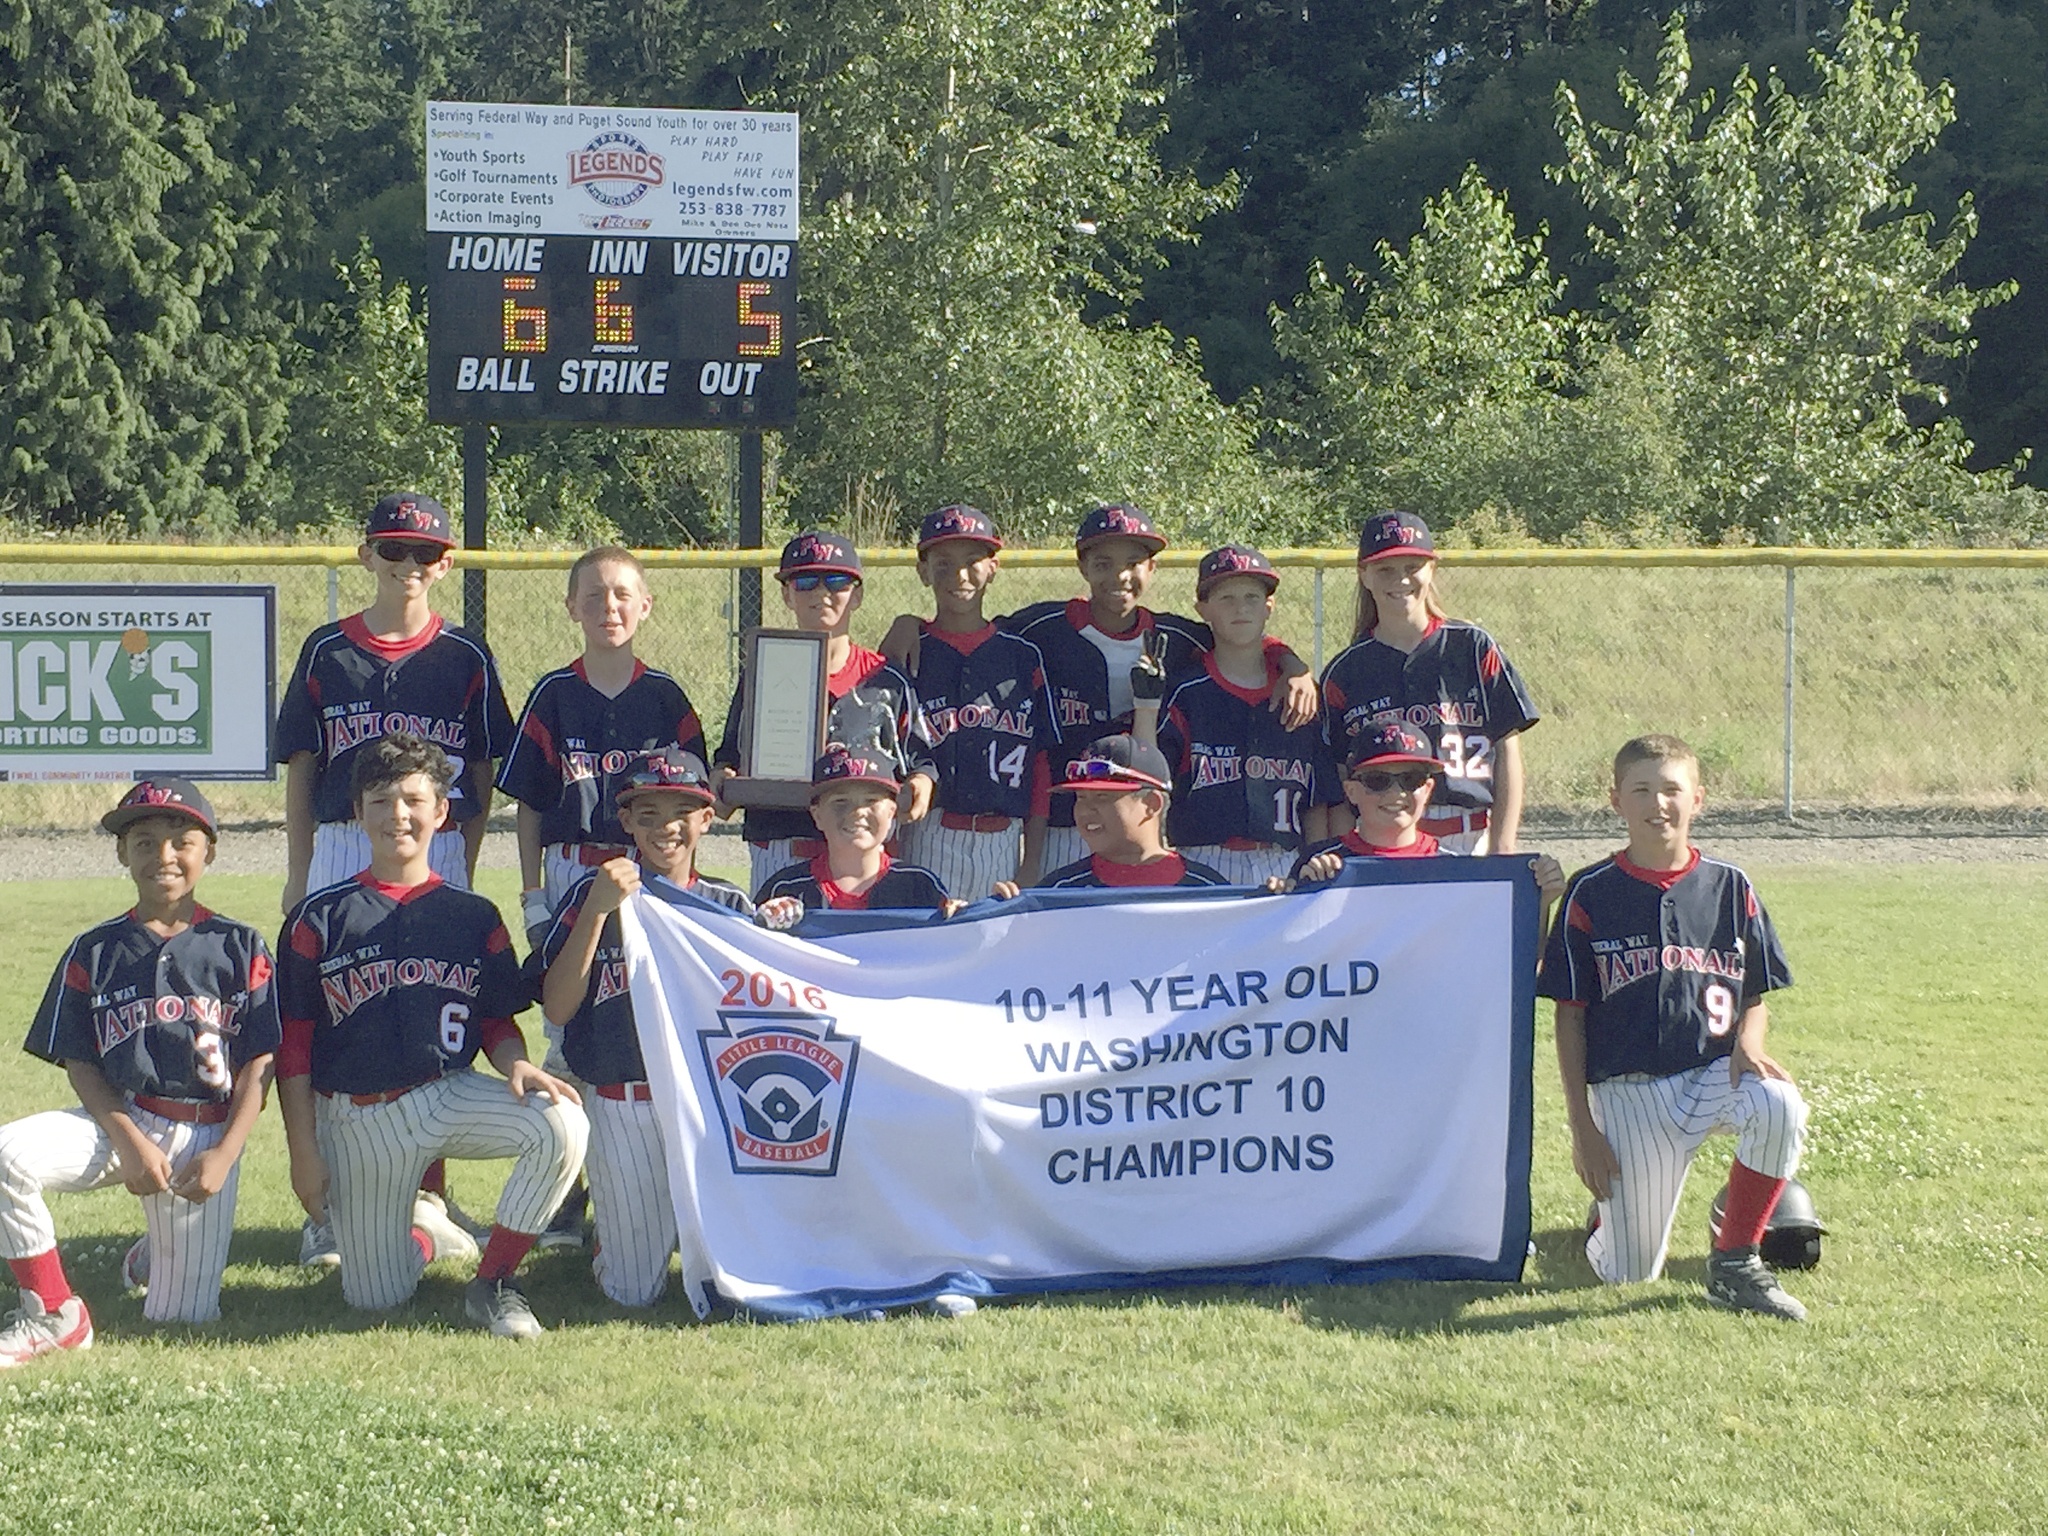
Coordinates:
x,y
611,332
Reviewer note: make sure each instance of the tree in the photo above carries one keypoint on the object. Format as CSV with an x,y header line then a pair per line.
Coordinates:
x,y
980,177
139,365
1771,272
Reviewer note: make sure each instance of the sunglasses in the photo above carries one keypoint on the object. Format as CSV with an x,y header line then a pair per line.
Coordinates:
x,y
831,581
1378,781
398,551
1099,768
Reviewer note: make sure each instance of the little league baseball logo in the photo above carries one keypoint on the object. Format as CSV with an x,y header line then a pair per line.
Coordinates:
x,y
616,169
783,1083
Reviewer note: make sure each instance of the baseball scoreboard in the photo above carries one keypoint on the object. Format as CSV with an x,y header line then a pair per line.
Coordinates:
x,y
611,266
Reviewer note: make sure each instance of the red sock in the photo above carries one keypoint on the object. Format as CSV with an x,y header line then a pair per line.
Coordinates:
x,y
1752,1197
503,1253
424,1243
43,1274
435,1180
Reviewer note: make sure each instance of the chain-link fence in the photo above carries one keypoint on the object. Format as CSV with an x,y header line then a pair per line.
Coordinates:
x,y
1915,680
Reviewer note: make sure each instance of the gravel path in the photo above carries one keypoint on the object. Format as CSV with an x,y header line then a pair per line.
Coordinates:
x,y
259,849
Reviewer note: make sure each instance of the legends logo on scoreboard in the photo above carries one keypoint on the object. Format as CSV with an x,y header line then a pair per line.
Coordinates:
x,y
616,169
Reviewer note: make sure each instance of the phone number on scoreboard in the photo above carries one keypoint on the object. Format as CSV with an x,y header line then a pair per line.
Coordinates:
x,y
630,333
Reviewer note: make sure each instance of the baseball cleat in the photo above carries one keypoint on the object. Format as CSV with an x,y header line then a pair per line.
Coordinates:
x,y
316,1246
953,1304
135,1265
1742,1282
31,1329
565,1228
455,1213
449,1240
501,1307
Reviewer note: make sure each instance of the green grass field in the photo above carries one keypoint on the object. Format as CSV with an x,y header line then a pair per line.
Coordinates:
x,y
1916,1399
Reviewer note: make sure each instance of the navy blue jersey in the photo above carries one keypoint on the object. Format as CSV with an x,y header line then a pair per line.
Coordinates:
x,y
873,710
168,1018
350,688
1077,672
990,717
572,740
1352,846
1457,688
1238,773
397,983
901,885
1664,963
1094,873
600,1042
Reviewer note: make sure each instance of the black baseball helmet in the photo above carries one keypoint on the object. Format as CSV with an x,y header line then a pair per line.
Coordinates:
x,y
1792,1240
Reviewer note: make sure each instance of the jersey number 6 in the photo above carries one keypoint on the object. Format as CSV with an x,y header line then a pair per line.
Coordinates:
x,y
454,1028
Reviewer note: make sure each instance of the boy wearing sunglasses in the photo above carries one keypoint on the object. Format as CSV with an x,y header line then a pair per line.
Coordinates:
x,y
1389,777
394,666
1121,788
871,707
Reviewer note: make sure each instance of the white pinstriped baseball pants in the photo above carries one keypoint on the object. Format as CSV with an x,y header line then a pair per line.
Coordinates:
x,y
1655,1126
766,860
341,851
376,1153
967,863
1243,866
636,1219
65,1149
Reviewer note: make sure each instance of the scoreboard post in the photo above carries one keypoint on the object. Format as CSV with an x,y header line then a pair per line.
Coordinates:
x,y
606,266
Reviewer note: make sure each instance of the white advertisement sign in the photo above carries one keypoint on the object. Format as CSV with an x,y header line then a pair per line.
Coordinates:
x,y
503,167
1083,1090
113,682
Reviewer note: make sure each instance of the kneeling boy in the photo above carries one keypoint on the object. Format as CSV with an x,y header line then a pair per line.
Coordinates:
x,y
1659,967
666,805
389,984
853,804
165,1021
1121,788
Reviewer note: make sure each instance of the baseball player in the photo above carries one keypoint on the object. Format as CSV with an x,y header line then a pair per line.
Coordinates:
x,y
165,1020
1242,780
665,804
1660,966
986,708
1121,788
1388,780
583,724
853,804
390,983
872,706
394,666
1090,645
1448,679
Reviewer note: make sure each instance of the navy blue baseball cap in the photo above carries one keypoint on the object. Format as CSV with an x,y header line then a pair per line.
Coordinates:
x,y
1386,742
1234,560
409,515
1388,534
161,797
958,522
1118,520
1120,762
842,765
817,551
669,771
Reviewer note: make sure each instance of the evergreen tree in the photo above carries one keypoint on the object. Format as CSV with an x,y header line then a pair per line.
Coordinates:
x,y
139,365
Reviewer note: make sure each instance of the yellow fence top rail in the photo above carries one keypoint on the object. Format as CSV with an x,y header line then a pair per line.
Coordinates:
x,y
331,556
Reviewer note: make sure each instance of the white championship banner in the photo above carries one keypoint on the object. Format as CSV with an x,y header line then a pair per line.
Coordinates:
x,y
1093,1089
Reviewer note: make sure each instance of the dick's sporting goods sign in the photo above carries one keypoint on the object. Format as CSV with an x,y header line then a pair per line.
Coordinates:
x,y
111,682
